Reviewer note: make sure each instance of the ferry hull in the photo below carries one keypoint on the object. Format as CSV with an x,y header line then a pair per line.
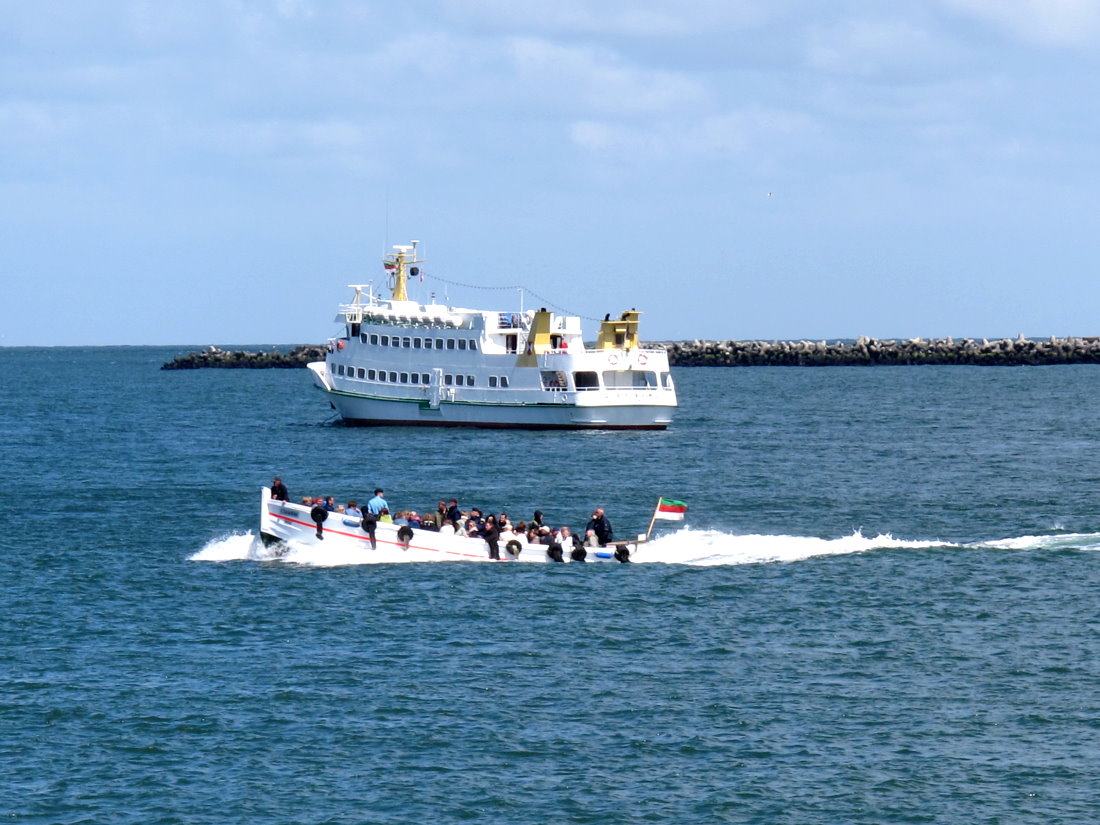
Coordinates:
x,y
374,412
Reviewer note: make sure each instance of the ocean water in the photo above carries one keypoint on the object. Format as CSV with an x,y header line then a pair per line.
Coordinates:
x,y
880,609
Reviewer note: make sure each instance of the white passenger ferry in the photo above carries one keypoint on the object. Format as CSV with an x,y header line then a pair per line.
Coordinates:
x,y
402,362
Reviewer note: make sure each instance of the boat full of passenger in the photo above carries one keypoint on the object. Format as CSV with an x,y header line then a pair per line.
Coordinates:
x,y
398,361
283,523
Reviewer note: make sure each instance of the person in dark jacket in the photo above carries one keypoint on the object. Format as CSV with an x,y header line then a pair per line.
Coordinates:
x,y
453,513
491,533
601,526
279,491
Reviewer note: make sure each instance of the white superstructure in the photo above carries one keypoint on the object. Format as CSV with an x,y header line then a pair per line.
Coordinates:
x,y
402,362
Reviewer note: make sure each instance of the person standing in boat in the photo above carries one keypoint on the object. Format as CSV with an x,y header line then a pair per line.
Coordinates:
x,y
454,515
600,527
377,504
491,533
279,491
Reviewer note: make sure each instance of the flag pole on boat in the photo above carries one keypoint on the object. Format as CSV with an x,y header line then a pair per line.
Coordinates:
x,y
668,509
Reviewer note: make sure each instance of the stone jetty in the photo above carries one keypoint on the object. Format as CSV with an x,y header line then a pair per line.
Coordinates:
x,y
241,359
863,352
871,351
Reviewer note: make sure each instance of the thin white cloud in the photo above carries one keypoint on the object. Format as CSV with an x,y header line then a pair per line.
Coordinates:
x,y
876,48
598,80
628,18
1049,22
689,139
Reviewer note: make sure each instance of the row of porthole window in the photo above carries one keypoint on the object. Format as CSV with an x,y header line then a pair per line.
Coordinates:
x,y
422,378
382,375
408,342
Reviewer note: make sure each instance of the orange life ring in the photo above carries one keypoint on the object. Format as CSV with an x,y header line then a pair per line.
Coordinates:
x,y
613,359
642,360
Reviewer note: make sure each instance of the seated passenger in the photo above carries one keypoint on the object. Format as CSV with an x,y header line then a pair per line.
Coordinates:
x,y
353,509
447,528
385,515
330,503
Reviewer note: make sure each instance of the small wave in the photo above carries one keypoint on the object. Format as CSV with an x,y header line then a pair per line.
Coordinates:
x,y
713,547
700,548
1056,541
235,547
249,547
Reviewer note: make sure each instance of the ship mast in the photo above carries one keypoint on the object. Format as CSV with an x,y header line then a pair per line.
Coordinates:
x,y
398,263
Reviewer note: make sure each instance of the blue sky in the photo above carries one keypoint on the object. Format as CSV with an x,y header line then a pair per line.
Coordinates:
x,y
216,171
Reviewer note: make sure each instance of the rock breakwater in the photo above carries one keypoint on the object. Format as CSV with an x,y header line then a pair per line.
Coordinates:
x,y
242,359
872,351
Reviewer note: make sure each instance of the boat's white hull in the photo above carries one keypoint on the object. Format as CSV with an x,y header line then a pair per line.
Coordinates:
x,y
282,521
567,413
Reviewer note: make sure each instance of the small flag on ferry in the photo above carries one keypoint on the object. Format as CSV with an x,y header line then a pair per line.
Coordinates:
x,y
389,264
669,508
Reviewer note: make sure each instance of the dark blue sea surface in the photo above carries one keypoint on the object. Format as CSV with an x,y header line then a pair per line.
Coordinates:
x,y
880,609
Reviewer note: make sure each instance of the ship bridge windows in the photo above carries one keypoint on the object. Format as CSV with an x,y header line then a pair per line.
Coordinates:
x,y
586,380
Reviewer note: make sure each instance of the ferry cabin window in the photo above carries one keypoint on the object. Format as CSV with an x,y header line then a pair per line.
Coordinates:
x,y
362,373
370,375
459,379
374,340
381,375
425,378
415,377
586,380
462,343
393,377
406,343
439,343
395,341
469,381
629,379
416,343
450,343
404,378
504,381
555,342
511,344
553,380
448,380
473,344
363,338
492,380
666,380
385,340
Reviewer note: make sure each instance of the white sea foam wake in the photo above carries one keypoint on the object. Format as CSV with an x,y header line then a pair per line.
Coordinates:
x,y
700,548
